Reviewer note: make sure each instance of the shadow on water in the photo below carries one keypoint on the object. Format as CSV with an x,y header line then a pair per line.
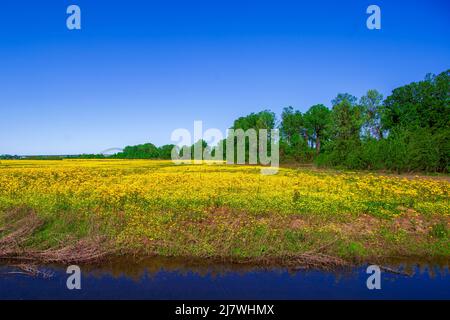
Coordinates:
x,y
170,278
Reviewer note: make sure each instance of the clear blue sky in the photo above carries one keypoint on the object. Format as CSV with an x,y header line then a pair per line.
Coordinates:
x,y
140,69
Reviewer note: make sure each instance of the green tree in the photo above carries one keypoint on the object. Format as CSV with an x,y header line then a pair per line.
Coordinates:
x,y
165,151
292,124
371,105
417,116
262,120
294,136
419,104
141,151
317,122
341,97
345,131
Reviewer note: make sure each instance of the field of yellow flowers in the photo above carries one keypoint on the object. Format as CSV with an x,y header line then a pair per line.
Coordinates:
x,y
228,212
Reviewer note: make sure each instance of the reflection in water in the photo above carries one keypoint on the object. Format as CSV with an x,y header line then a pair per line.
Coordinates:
x,y
135,269
168,278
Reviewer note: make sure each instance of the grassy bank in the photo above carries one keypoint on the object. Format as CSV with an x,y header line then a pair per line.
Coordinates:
x,y
85,209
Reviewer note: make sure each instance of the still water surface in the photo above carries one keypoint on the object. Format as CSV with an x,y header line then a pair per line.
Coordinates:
x,y
170,279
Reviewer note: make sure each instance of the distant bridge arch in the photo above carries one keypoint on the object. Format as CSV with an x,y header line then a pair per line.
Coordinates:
x,y
111,151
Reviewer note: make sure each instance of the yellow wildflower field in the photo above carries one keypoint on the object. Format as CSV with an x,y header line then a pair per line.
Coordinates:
x,y
219,210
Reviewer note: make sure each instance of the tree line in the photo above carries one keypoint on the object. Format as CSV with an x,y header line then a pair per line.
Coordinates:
x,y
407,131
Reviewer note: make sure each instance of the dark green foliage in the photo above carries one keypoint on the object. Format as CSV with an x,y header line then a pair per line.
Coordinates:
x,y
417,150
409,131
90,156
8,157
257,121
165,151
345,129
422,104
292,124
261,120
141,151
318,124
145,151
294,145
296,150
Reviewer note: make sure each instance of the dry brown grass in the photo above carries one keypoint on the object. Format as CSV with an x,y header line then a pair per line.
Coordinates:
x,y
20,226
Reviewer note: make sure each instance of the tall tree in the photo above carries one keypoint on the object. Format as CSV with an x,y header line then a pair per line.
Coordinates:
x,y
294,136
350,99
262,120
292,124
371,104
346,126
317,121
